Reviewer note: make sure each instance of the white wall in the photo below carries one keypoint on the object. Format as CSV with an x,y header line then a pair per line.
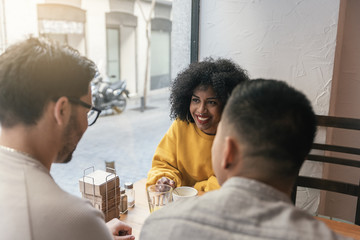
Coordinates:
x,y
96,31
2,28
21,15
141,44
289,40
180,36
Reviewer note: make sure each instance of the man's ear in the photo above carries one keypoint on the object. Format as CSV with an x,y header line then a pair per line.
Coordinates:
x,y
62,110
230,153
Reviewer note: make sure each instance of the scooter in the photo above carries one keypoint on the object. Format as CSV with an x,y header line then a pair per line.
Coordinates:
x,y
108,95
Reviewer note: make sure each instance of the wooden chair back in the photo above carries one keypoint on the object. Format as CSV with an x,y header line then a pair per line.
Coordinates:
x,y
326,157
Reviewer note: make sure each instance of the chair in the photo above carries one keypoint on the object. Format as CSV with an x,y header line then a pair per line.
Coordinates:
x,y
327,157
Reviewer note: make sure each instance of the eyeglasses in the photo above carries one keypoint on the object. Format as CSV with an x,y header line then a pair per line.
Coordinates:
x,y
92,115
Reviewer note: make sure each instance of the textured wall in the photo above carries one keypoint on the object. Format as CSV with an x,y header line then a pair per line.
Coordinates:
x,y
290,40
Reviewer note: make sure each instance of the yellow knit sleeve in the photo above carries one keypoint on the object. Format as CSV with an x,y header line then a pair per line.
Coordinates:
x,y
162,167
164,162
207,185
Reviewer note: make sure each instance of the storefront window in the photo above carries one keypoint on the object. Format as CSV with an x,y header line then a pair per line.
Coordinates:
x,y
60,27
122,49
113,52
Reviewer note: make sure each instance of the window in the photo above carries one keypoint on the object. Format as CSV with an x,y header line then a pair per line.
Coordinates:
x,y
160,53
122,49
113,35
113,52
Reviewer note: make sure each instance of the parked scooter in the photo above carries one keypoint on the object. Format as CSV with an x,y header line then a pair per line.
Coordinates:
x,y
109,95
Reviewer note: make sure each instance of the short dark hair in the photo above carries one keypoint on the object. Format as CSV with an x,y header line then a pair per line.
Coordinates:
x,y
36,71
275,121
221,74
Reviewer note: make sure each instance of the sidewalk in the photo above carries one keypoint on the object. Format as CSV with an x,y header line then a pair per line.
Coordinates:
x,y
129,139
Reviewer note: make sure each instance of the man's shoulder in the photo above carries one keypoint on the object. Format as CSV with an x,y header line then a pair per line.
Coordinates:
x,y
219,213
166,222
48,212
71,217
54,199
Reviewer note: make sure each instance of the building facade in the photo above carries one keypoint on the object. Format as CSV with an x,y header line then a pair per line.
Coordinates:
x,y
112,33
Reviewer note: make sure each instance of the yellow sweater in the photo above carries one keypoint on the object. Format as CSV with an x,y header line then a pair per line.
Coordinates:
x,y
184,155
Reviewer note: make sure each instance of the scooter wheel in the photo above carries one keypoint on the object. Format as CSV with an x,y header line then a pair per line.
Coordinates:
x,y
120,108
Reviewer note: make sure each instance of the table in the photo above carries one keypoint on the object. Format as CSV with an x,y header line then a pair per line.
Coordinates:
x,y
137,215
346,229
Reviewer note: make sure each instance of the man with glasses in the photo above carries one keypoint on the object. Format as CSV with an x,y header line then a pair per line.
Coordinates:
x,y
45,107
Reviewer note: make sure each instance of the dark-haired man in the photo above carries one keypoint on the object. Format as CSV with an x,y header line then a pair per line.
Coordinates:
x,y
45,107
266,131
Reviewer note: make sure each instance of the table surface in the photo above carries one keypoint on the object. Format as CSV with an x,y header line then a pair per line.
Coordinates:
x,y
137,215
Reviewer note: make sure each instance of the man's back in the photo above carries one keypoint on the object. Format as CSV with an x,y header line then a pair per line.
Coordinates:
x,y
34,207
241,209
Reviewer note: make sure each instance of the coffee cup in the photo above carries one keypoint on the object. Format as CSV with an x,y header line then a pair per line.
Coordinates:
x,y
184,192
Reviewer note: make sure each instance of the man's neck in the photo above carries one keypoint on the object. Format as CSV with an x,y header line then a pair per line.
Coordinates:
x,y
29,141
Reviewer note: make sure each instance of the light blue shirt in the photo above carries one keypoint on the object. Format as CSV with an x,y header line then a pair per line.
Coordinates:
x,y
241,209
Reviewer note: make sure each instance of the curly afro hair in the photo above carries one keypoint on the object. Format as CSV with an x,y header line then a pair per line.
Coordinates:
x,y
221,74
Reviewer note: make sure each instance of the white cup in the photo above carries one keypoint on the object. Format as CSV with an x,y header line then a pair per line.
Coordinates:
x,y
184,192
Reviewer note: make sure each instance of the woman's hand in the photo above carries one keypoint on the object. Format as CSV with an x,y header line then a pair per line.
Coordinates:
x,y
120,230
165,180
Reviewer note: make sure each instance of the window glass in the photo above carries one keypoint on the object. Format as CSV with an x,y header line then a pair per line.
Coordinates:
x,y
113,35
113,53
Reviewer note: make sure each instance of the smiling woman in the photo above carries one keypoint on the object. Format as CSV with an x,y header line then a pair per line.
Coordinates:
x,y
198,96
205,109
